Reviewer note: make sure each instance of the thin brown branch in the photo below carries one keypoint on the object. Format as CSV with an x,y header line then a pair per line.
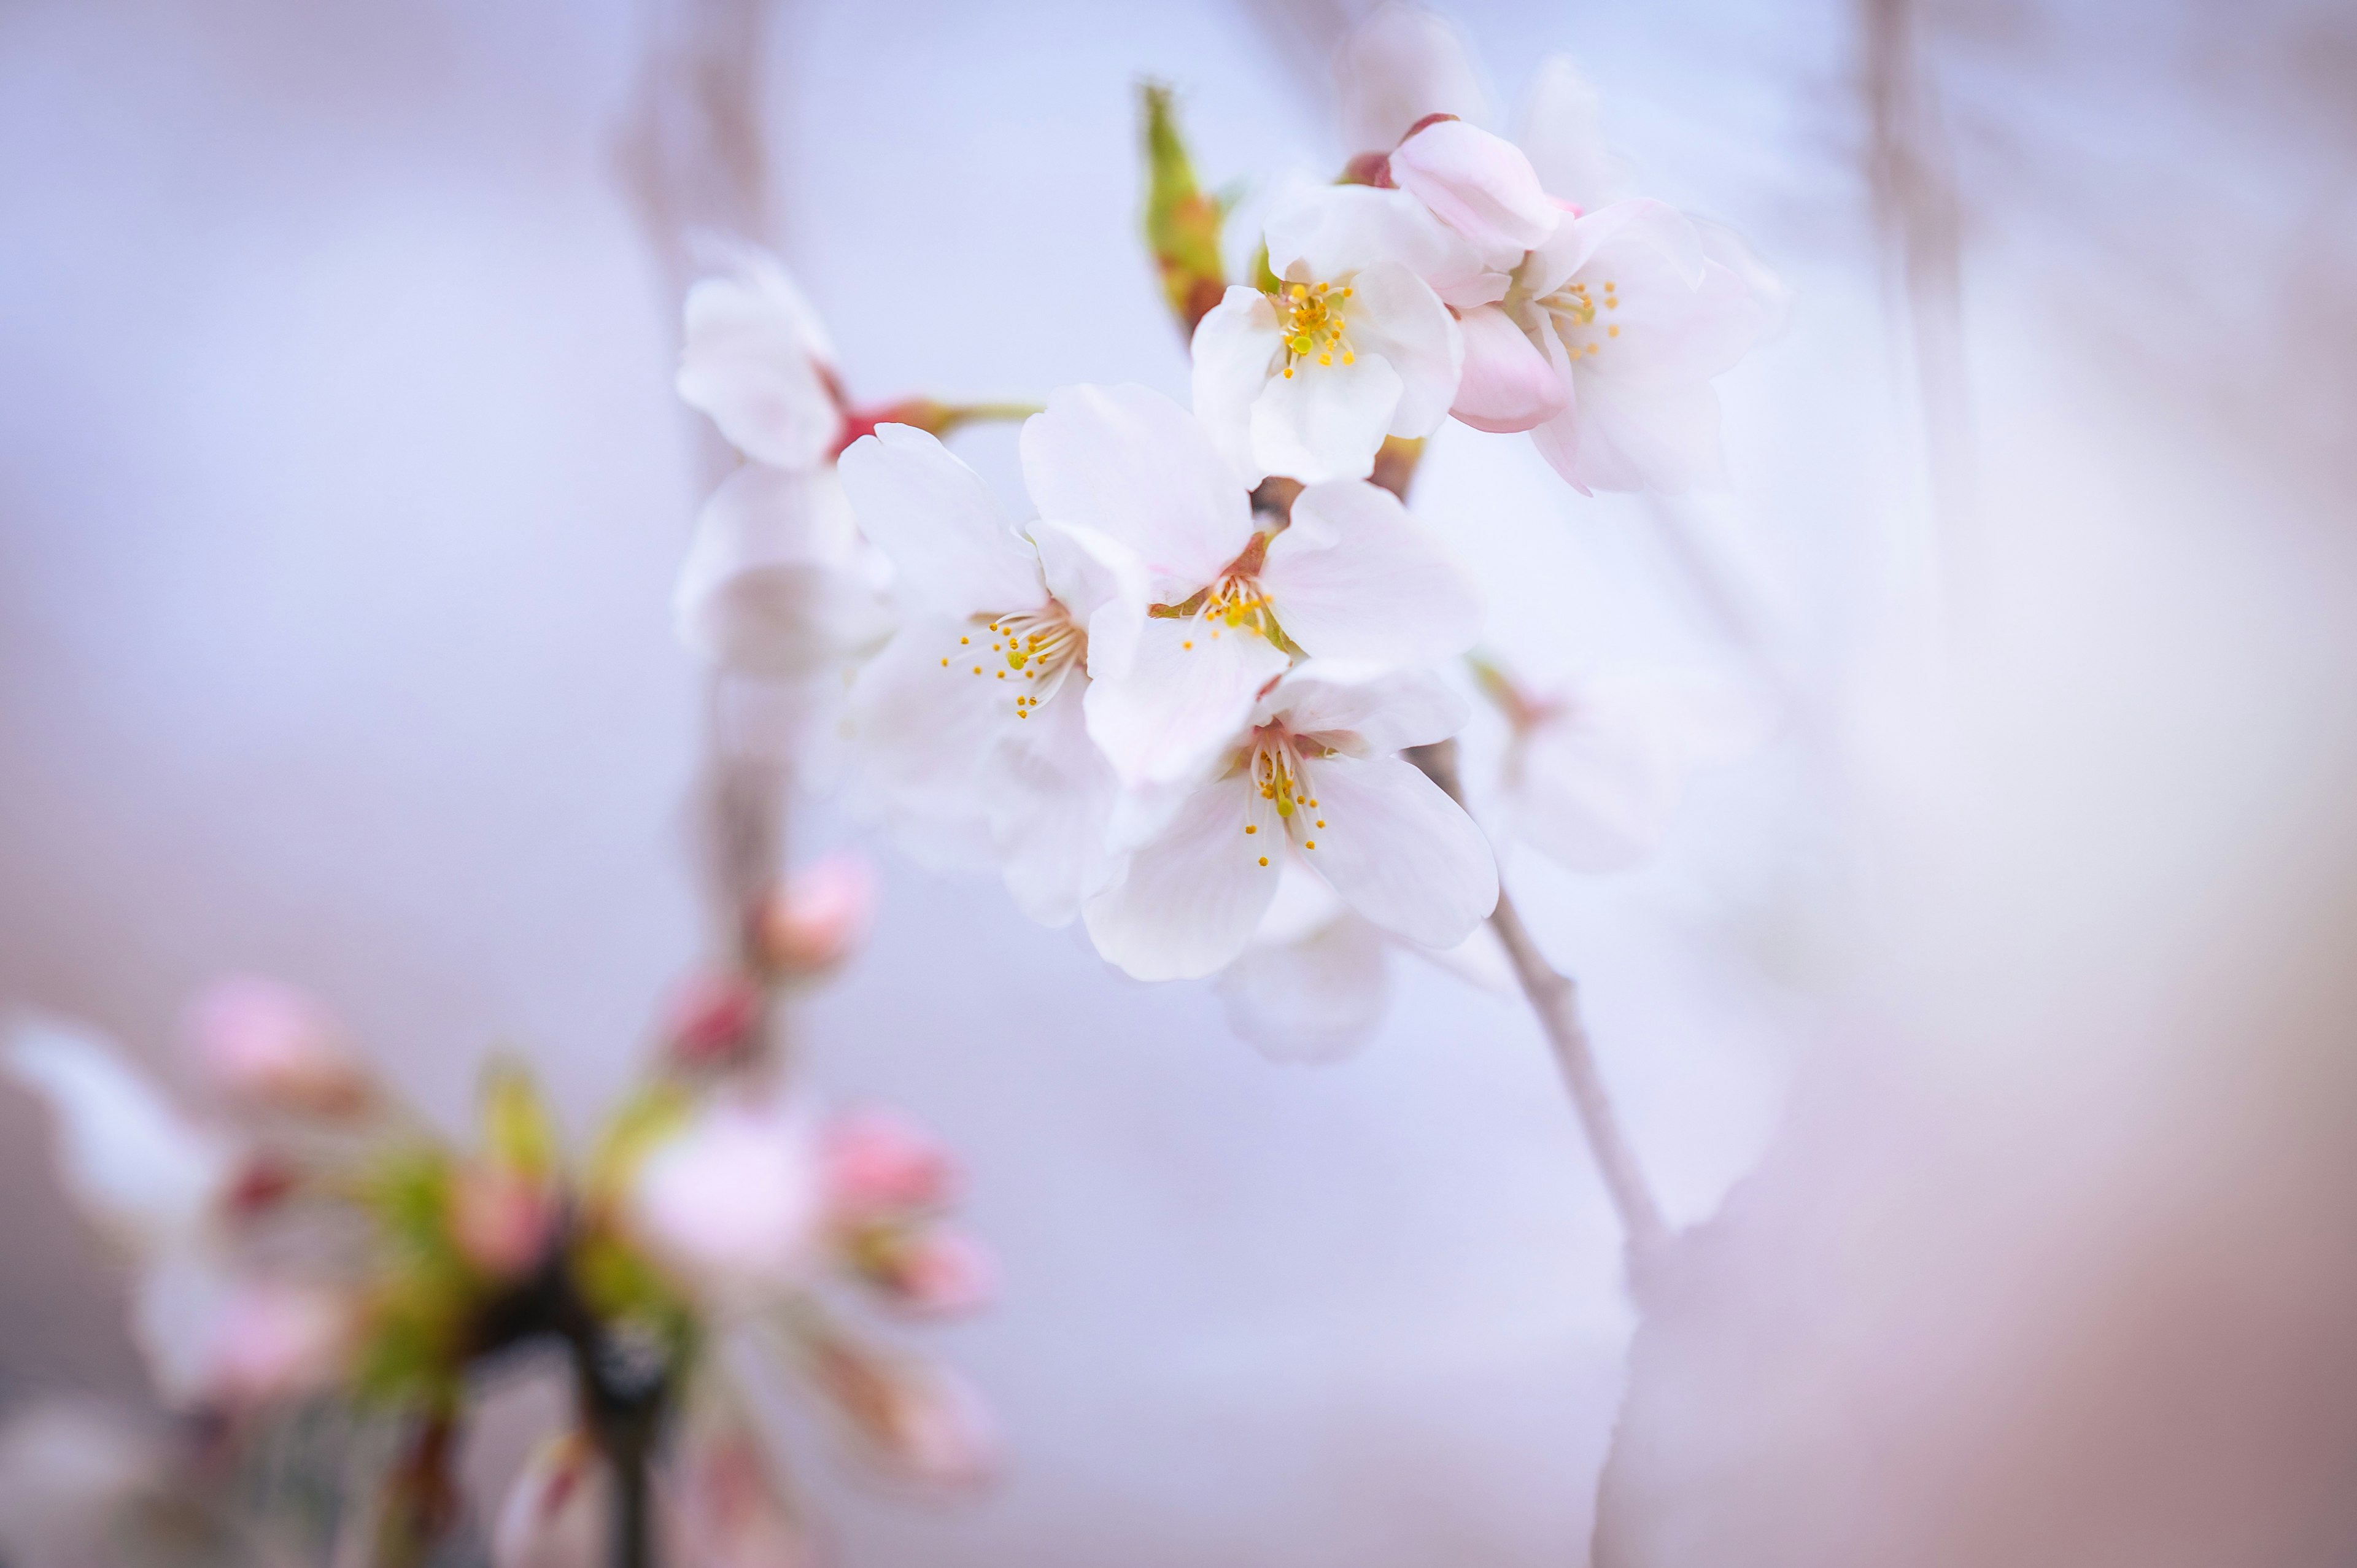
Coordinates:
x,y
1555,999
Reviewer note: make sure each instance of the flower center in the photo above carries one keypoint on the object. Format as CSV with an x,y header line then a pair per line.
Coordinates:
x,y
1573,308
1311,316
1276,767
1033,649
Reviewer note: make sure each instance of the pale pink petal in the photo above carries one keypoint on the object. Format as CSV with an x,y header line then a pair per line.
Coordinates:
x,y
951,545
732,1203
1330,234
775,583
925,716
1193,896
1394,318
1507,384
1187,694
500,1221
1326,422
1052,809
1558,439
1236,349
753,361
819,917
1131,464
1398,850
1316,997
1478,183
879,1162
1355,577
1103,585
1662,436
1364,710
1562,133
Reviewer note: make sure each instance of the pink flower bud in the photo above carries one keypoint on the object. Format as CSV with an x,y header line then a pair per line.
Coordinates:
x,y
272,1341
711,1017
820,915
877,1162
922,1420
938,1272
1481,184
500,1221
266,1045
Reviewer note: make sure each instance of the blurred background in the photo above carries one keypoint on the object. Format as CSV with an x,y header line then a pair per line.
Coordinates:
x,y
1991,1030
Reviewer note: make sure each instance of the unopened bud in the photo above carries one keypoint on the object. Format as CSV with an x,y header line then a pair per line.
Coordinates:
x,y
500,1222
711,1018
819,917
265,1044
879,1164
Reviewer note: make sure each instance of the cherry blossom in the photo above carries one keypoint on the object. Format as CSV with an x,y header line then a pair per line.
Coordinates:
x,y
1352,576
1313,984
265,1044
1314,774
731,1202
1355,344
968,731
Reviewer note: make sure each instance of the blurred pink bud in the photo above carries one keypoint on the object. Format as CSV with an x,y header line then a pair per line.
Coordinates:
x,y
261,1042
711,1017
942,1271
500,1222
820,915
877,1162
728,1512
273,1341
924,1421
554,1515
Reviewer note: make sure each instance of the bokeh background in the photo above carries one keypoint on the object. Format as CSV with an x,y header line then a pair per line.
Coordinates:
x,y
1991,1028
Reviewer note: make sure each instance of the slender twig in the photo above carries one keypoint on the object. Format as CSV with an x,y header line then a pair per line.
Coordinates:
x,y
1556,1000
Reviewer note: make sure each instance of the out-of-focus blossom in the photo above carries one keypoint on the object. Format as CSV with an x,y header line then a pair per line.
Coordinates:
x,y
1594,768
218,1337
969,732
759,362
501,1220
1313,984
1400,65
138,1166
818,918
263,1044
83,1486
1354,345
1353,576
877,1162
924,1423
711,1016
731,1201
556,1511
1316,775
725,1511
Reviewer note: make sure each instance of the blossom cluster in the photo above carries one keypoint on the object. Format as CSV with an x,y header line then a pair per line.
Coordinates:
x,y
308,1238
1179,694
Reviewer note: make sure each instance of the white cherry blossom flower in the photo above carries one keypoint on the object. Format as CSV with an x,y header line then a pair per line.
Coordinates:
x,y
1596,768
1314,983
1317,776
1399,65
969,733
732,1203
756,360
1352,576
1356,344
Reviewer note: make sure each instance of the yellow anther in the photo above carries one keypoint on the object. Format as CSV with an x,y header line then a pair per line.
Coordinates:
x,y
1299,292
1612,332
964,640
1189,642
1251,826
978,669
1321,821
1310,843
1263,860
945,664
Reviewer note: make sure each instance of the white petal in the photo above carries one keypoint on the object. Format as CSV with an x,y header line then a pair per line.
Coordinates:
x,y
131,1160
1397,319
1325,422
1558,439
1328,233
951,545
1507,383
1317,998
731,1204
1364,710
1128,462
1480,185
1355,577
1191,898
556,1511
1401,64
922,732
1563,134
1053,813
1102,584
1479,960
753,361
1236,349
774,583
1304,906
1186,695
1398,850
1644,435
